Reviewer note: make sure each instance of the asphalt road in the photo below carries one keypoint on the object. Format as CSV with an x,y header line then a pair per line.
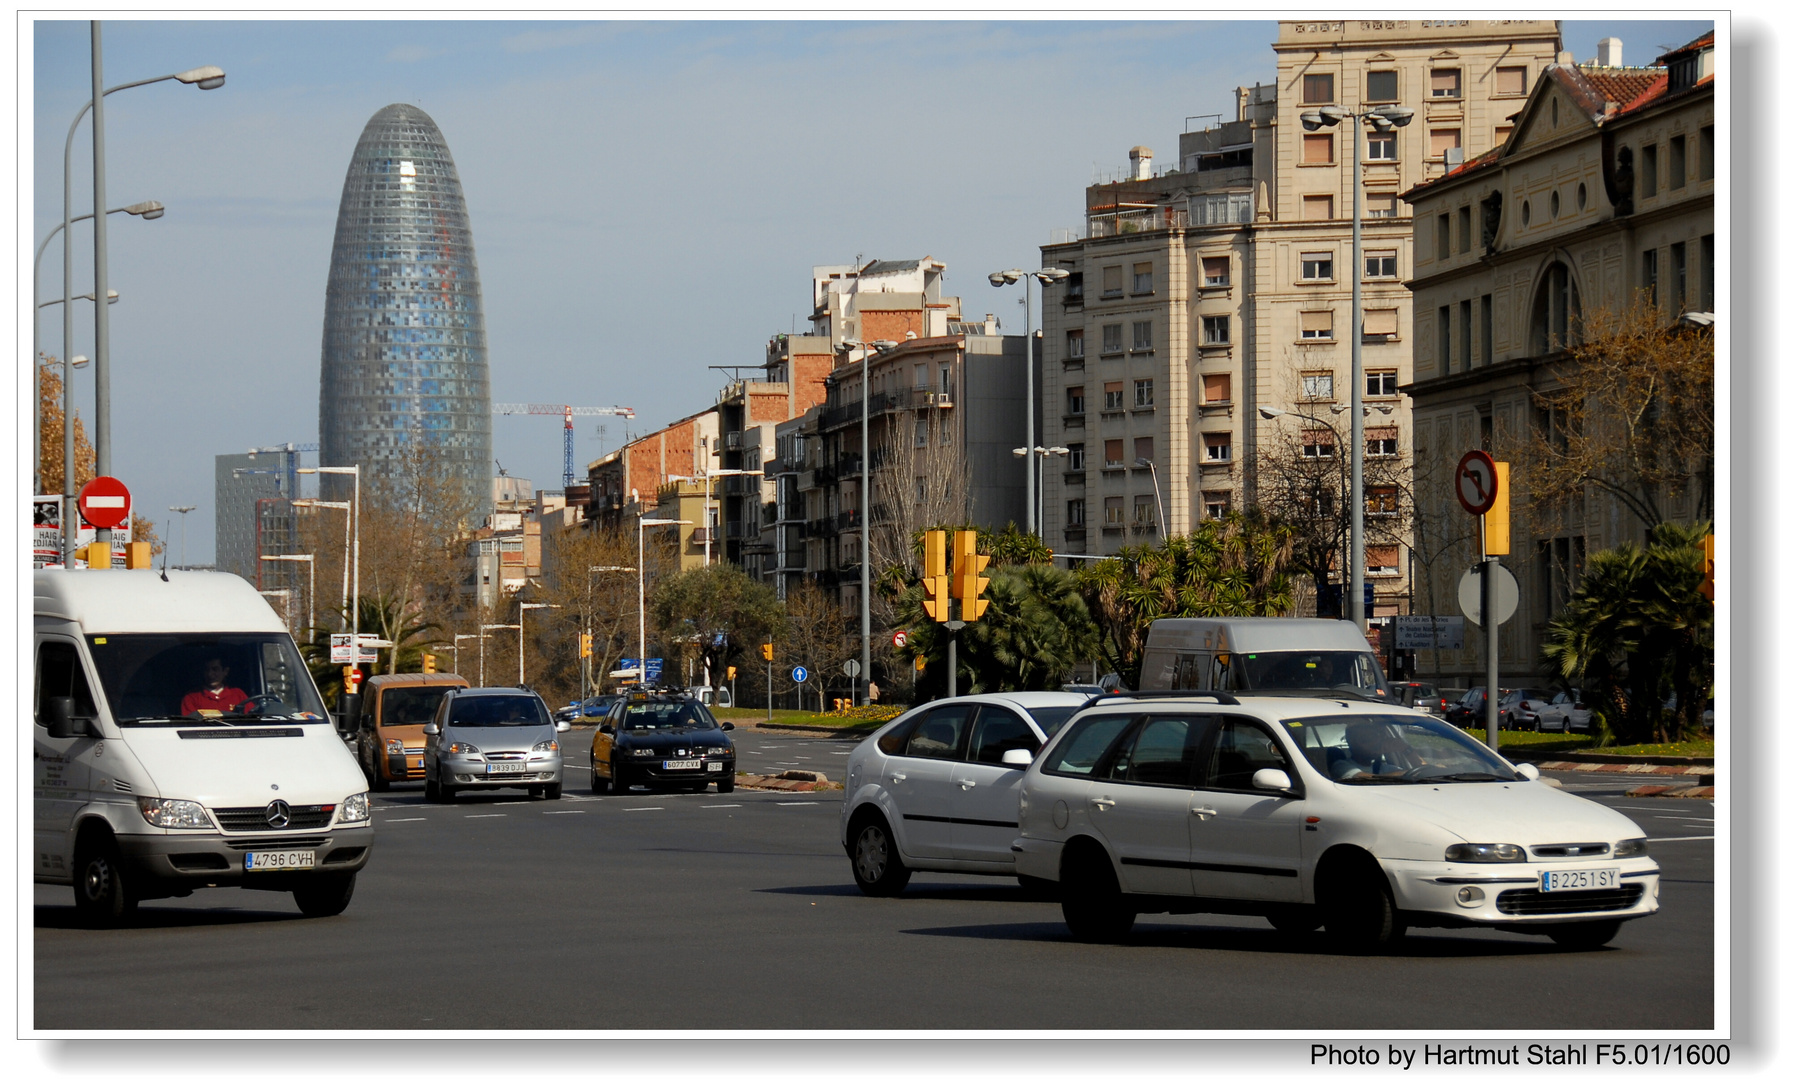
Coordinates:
x,y
649,912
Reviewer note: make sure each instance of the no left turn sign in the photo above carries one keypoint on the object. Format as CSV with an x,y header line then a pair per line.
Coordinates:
x,y
899,639
1476,482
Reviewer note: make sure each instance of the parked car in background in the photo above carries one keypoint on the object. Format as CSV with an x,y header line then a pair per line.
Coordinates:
x,y
1470,710
592,708
1565,712
1521,709
931,790
717,697
1422,697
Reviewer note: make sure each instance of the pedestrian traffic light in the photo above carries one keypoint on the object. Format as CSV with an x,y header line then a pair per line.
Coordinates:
x,y
968,582
1709,588
429,665
936,575
768,651
1498,519
586,646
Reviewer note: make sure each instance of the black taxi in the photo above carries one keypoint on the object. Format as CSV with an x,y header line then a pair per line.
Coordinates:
x,y
662,740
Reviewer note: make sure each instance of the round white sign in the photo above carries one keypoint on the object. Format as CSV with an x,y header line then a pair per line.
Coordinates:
x,y
852,668
1504,594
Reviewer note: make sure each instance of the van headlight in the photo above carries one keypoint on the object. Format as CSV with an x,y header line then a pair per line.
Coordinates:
x,y
1484,853
354,808
174,813
1630,849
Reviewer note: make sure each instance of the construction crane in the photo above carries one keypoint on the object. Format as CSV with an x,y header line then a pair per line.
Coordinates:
x,y
567,413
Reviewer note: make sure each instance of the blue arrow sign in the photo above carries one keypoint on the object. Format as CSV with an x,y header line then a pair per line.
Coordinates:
x,y
799,674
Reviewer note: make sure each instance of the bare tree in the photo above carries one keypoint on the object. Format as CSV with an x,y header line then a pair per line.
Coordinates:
x,y
920,482
817,633
590,577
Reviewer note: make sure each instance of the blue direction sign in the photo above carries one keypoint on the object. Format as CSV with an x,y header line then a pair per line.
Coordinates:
x,y
799,674
653,671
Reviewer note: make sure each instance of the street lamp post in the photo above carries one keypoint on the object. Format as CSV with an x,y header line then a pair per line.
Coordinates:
x,y
311,579
518,626
587,622
1160,510
457,649
343,604
867,674
522,608
1384,118
642,648
1045,277
1353,505
206,78
356,546
1043,453
183,511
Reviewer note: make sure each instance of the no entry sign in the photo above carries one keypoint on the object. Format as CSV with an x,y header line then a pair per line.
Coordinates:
x,y
104,502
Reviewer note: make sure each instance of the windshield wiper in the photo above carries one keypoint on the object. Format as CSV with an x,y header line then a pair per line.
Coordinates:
x,y
1468,777
179,718
1374,778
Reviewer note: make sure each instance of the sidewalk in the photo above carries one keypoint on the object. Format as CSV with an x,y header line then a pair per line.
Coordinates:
x,y
1702,778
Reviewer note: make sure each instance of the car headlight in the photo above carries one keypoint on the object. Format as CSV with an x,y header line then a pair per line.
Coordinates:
x,y
395,746
720,751
1630,849
1484,853
174,813
463,748
644,752
354,808
544,747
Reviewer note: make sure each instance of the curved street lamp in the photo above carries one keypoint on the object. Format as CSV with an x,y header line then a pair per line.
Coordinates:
x,y
867,673
1047,276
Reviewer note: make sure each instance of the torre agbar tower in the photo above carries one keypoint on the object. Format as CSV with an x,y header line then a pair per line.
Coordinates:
x,y
403,386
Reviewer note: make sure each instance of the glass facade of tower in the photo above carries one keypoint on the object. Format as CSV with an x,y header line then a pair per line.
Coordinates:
x,y
403,385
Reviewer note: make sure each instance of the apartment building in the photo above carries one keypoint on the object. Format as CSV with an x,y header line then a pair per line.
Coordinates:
x,y
794,373
631,477
1602,194
1202,294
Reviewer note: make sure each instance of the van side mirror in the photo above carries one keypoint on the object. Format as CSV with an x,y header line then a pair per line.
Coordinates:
x,y
62,721
1017,759
432,729
563,725
1274,780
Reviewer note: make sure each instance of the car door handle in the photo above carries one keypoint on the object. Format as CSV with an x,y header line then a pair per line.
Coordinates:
x,y
1104,803
965,784
898,778
1204,812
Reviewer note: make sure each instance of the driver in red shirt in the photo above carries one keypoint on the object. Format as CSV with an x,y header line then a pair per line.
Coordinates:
x,y
214,695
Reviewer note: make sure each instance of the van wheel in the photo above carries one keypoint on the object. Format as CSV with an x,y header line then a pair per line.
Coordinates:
x,y
1092,904
377,781
326,897
102,895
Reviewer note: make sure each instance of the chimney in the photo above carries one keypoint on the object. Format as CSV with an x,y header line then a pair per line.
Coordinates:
x,y
1610,52
1142,163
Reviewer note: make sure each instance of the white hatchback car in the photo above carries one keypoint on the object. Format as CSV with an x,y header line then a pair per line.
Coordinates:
x,y
931,791
1362,818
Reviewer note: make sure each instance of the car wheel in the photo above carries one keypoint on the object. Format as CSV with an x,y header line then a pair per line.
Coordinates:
x,y
1092,904
1566,726
102,895
445,792
327,897
1537,726
1580,936
599,783
726,785
1296,922
1360,914
621,781
874,857
552,791
433,790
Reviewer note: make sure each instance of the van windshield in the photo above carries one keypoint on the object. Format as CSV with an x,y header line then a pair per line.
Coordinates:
x,y
1310,671
204,679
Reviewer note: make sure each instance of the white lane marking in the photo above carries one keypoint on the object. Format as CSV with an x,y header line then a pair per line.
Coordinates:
x,y
634,809
546,813
482,815
757,753
1669,810
839,753
397,820
815,804
1658,839
1708,825
720,806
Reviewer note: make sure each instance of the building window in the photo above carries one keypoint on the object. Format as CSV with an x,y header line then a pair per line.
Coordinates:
x,y
1464,220
1114,510
1382,86
1111,338
946,378
1554,205
1382,560
1555,314
1145,510
1318,385
1382,205
1076,457
1442,140
1145,448
1317,442
1707,249
1382,383
1443,340
1316,325
1486,329
1648,173
1217,389
1217,504
1217,270
1651,276
921,432
1442,236
1320,149
1114,453
1145,393
1320,89
1217,329
1217,446
1501,134
1512,82
1114,396
1382,441
1142,279
1382,146
1076,344
1076,401
1319,207
1677,264
1676,162
1076,511
1467,333
1382,501
1445,82
1142,335
1076,293
1380,323
1317,266
1380,264
1707,153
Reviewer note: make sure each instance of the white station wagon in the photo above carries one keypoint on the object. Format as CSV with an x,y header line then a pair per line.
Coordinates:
x,y
1359,817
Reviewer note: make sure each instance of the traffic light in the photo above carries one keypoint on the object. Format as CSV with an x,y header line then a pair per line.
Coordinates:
x,y
1709,588
351,677
936,575
768,651
586,646
430,663
1498,519
730,672
968,582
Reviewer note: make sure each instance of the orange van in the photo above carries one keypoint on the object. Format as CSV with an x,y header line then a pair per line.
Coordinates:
x,y
391,713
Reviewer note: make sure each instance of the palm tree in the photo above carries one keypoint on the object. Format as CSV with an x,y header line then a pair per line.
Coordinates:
x,y
1035,630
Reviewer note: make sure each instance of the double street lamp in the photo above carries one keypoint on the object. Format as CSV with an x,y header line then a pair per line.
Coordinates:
x,y
522,608
1383,119
311,580
1043,454
642,649
353,527
1047,276
587,622
867,673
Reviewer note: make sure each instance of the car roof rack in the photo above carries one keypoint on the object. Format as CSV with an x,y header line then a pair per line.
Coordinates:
x,y
1128,695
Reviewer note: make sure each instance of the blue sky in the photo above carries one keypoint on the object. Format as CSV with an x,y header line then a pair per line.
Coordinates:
x,y
647,198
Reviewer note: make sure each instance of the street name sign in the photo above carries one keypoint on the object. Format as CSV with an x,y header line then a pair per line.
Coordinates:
x,y
1429,632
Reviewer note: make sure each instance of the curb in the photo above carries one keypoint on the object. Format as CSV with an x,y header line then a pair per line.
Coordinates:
x,y
1708,772
1537,757
1687,791
819,728
791,780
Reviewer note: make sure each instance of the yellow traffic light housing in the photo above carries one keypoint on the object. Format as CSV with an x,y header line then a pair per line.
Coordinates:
x,y
968,582
586,646
429,664
1498,519
730,672
768,651
936,575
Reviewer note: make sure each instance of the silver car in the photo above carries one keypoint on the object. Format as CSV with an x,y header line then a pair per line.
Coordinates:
x,y
492,737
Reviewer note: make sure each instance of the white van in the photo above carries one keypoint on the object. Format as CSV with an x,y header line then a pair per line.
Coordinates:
x,y
181,744
1261,656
